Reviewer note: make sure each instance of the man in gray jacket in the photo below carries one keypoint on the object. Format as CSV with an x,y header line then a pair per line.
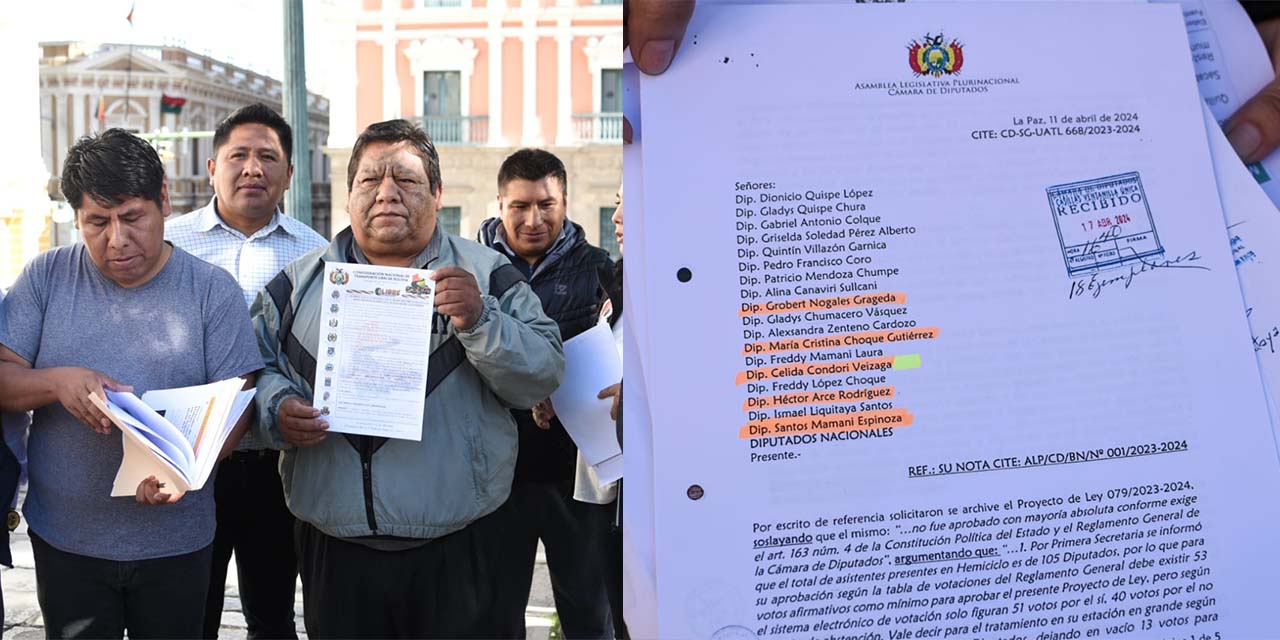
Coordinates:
x,y
397,538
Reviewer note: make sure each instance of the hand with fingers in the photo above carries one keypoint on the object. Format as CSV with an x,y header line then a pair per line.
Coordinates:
x,y
543,412
1254,129
612,391
653,30
74,386
150,492
458,296
299,422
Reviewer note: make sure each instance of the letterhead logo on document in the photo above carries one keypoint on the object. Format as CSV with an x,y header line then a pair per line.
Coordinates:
x,y
935,63
932,57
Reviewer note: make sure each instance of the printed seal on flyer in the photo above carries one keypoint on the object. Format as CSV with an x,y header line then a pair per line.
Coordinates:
x,y
1103,223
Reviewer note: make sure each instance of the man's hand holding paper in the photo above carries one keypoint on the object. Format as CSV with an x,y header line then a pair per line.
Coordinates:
x,y
458,296
300,424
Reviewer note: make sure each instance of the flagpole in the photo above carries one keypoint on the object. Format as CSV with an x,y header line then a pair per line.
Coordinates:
x,y
294,99
128,72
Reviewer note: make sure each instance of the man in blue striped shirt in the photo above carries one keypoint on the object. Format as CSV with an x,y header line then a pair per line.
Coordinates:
x,y
243,231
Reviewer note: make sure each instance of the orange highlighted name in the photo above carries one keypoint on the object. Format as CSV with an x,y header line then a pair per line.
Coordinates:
x,y
862,339
816,369
818,397
821,304
861,421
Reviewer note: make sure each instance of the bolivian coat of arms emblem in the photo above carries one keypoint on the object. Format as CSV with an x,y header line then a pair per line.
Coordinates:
x,y
930,56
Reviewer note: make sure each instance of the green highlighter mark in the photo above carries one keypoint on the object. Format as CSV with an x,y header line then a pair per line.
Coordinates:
x,y
907,362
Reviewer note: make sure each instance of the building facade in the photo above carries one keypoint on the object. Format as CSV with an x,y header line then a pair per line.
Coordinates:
x,y
485,77
90,87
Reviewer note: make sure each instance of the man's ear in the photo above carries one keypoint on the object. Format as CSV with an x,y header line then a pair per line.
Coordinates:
x,y
289,181
165,208
212,168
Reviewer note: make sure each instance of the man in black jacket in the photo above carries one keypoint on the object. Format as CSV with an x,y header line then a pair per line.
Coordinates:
x,y
563,269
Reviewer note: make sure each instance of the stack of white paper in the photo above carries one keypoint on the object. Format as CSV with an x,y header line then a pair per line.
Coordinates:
x,y
173,434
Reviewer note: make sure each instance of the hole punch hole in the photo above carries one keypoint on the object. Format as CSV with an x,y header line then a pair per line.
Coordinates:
x,y
684,274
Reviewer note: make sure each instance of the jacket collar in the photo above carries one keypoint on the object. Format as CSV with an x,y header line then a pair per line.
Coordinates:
x,y
494,236
344,249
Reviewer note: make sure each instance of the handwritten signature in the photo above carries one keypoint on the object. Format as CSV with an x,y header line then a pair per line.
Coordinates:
x,y
1098,283
1267,341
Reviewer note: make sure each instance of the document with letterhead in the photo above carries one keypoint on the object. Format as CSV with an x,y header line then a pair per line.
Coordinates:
x,y
943,330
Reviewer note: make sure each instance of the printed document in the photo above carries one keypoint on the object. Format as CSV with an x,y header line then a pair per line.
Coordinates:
x,y
173,434
375,340
949,329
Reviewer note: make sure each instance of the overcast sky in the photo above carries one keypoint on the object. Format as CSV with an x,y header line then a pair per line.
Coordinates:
x,y
248,33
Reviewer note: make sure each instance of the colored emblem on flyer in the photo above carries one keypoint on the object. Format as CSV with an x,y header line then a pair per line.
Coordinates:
x,y
932,57
418,286
339,277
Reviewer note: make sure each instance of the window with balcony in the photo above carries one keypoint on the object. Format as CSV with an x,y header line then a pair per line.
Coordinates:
x,y
442,110
605,126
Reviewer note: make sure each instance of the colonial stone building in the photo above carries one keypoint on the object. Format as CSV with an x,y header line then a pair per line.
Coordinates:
x,y
89,87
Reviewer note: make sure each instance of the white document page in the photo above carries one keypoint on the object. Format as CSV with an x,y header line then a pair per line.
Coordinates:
x,y
174,434
591,363
1231,66
1254,229
375,341
639,580
162,445
201,412
950,334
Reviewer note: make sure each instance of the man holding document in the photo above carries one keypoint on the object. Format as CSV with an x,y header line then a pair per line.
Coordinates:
x,y
952,383
124,311
397,536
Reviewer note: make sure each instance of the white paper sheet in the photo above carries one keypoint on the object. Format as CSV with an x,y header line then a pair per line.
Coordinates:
x,y
591,363
1028,378
174,434
375,342
1253,226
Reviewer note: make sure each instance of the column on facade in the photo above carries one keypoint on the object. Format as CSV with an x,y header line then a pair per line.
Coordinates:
x,y
153,113
494,38
342,85
390,79
564,83
532,134
76,114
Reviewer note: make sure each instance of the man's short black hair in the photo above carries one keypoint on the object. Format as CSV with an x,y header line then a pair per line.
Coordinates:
x,y
534,165
393,131
256,113
111,167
